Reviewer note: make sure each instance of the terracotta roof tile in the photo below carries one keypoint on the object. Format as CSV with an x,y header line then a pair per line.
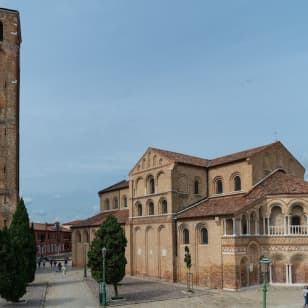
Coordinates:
x,y
120,185
239,155
202,162
48,227
183,158
120,215
277,183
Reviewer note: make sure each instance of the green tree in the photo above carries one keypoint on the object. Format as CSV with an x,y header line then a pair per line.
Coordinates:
x,y
17,255
23,238
12,274
109,235
187,258
31,255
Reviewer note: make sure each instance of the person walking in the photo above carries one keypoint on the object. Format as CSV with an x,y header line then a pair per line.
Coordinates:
x,y
306,296
64,270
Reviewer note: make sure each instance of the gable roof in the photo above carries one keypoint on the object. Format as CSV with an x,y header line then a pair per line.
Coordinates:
x,y
182,158
276,183
120,185
207,163
240,155
96,220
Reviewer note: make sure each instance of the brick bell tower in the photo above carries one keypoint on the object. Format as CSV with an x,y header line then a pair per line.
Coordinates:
x,y
10,40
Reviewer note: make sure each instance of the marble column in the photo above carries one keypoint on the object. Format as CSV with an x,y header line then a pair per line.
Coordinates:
x,y
287,274
234,230
290,273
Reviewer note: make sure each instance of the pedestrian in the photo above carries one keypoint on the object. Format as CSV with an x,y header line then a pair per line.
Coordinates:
x,y
64,271
44,264
39,264
306,296
55,263
51,262
59,266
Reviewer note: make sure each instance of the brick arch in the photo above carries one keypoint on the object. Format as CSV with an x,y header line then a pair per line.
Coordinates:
x,y
181,229
138,251
299,268
297,202
253,254
244,272
139,186
150,264
163,252
279,261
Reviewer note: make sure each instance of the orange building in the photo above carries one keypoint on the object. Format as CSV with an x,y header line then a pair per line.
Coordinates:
x,y
52,239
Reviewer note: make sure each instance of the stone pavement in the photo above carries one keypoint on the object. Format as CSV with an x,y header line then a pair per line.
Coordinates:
x,y
73,291
143,293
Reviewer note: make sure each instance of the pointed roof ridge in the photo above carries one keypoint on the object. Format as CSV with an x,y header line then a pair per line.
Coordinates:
x,y
182,158
120,214
119,185
241,154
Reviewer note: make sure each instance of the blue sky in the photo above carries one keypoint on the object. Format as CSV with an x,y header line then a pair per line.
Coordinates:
x,y
102,80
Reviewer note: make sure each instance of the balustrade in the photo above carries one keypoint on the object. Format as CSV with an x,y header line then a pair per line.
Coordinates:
x,y
293,230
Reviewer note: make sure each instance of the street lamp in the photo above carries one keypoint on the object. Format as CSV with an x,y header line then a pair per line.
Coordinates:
x,y
264,269
85,261
104,295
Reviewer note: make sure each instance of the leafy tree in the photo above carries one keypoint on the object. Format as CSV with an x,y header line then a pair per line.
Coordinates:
x,y
109,235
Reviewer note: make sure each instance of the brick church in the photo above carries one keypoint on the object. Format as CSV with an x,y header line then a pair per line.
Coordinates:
x,y
230,211
10,40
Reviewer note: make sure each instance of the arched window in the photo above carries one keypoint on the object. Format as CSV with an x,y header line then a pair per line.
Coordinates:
x,y
154,160
185,236
124,201
164,207
150,185
219,188
107,204
115,203
78,237
237,183
151,208
204,239
139,209
196,187
1,31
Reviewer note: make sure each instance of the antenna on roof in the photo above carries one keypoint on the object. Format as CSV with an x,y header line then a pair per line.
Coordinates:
x,y
276,135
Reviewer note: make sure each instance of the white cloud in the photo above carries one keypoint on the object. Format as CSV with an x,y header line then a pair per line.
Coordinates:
x,y
27,200
40,213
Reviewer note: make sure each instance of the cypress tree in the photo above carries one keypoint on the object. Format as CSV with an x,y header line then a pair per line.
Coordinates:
x,y
12,278
31,255
18,255
111,236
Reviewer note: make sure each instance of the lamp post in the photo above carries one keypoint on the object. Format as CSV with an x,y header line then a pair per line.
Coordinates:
x,y
104,295
85,261
264,269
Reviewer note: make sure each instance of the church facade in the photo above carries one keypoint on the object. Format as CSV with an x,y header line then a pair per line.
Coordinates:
x,y
10,40
229,211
